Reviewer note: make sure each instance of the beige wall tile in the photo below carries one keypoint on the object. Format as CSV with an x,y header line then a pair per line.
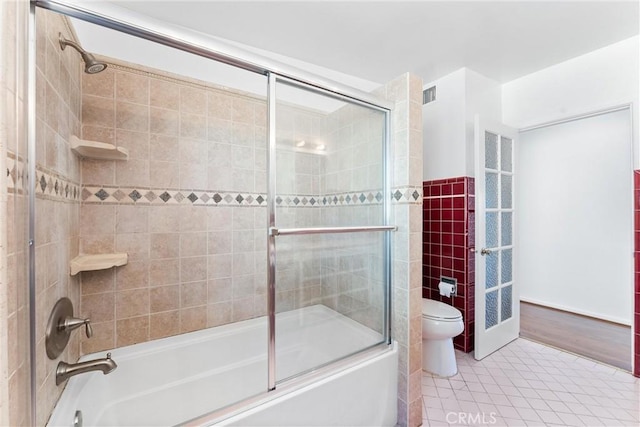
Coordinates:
x,y
193,319
164,174
163,148
164,324
132,303
133,275
219,314
137,143
99,281
132,219
103,338
164,272
164,245
102,84
193,244
164,219
164,298
219,290
133,173
193,294
193,126
97,219
193,101
98,307
98,111
164,94
132,330
164,122
135,244
220,105
132,87
131,116
193,269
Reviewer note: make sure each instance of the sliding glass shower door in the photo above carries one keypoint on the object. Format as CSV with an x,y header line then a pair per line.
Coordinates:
x,y
328,227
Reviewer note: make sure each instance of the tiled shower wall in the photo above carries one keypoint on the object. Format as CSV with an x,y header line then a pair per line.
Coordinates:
x,y
448,243
189,206
14,317
636,312
185,206
57,193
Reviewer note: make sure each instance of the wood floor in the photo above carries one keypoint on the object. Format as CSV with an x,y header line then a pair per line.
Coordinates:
x,y
596,339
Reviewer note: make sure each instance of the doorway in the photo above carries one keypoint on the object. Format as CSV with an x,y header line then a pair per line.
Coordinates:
x,y
575,228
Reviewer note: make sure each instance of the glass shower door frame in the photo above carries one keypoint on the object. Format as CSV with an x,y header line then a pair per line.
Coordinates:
x,y
273,231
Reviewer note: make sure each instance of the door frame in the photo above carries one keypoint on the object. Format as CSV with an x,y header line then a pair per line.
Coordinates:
x,y
635,285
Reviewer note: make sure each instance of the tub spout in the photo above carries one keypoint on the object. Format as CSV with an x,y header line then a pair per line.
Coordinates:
x,y
64,371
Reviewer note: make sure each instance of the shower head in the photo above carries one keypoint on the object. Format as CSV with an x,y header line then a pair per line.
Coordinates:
x,y
91,64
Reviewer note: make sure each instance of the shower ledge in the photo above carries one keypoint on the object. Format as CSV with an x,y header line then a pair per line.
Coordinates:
x,y
97,150
96,262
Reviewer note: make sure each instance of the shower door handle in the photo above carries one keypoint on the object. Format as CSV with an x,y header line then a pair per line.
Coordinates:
x,y
485,251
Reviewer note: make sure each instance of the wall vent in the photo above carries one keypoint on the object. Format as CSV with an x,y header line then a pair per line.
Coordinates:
x,y
429,95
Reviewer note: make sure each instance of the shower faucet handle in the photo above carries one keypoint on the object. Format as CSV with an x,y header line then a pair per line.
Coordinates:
x,y
71,323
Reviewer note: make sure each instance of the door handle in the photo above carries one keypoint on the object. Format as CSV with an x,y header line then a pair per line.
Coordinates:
x,y
485,251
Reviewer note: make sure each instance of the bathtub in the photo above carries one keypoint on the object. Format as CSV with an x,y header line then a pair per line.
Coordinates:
x,y
175,380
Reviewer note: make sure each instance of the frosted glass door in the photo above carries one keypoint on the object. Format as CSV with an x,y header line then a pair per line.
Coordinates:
x,y
497,309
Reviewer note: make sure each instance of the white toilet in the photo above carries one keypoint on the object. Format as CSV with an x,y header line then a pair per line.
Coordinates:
x,y
440,323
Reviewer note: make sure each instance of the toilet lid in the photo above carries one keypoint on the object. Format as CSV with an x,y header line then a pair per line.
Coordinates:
x,y
439,310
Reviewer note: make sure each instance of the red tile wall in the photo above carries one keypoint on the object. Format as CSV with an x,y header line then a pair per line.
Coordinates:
x,y
448,238
636,315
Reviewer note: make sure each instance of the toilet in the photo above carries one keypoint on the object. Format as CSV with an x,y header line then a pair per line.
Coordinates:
x,y
440,323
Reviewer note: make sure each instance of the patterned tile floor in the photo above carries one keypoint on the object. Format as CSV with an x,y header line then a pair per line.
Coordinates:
x,y
529,384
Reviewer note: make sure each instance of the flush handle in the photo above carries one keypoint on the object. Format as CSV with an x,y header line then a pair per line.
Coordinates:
x,y
485,251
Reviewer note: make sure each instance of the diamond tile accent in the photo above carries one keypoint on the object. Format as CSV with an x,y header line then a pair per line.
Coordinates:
x,y
178,197
217,198
102,194
43,182
239,198
192,197
165,197
260,199
118,195
135,195
150,196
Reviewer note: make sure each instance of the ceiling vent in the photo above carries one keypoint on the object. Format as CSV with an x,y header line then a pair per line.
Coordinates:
x,y
429,95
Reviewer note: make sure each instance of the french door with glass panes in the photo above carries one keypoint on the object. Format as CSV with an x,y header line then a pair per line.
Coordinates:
x,y
497,308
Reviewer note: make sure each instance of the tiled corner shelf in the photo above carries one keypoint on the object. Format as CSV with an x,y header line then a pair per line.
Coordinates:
x,y
97,150
97,262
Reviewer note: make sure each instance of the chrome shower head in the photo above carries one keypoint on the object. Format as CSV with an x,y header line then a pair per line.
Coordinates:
x,y
91,64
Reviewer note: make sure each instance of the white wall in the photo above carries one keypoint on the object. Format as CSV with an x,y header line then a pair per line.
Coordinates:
x,y
600,79
603,78
448,122
484,98
574,216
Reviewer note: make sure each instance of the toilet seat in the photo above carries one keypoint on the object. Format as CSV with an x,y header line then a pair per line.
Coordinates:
x,y
436,310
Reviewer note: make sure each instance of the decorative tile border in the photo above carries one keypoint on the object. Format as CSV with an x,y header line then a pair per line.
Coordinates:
x,y
49,185
16,175
155,196
52,186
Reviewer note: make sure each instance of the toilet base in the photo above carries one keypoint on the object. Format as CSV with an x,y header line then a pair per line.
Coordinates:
x,y
439,358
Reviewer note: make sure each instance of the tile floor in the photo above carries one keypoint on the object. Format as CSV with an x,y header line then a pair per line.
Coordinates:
x,y
529,384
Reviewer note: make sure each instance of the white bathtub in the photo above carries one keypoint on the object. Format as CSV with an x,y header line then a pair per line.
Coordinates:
x,y
174,380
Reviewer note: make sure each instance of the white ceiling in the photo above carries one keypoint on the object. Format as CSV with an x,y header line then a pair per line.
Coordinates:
x,y
380,40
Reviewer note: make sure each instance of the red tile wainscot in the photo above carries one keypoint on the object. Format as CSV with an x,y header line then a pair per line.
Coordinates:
x,y
448,238
636,310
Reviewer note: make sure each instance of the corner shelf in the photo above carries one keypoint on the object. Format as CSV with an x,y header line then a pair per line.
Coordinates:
x,y
96,262
97,150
